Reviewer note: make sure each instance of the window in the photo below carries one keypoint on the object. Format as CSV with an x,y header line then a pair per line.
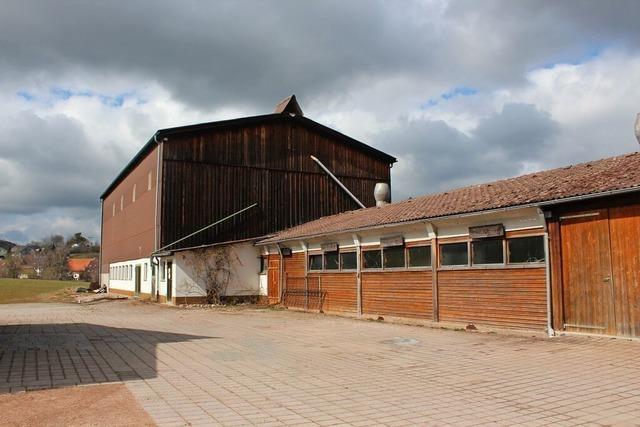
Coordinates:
x,y
121,202
145,272
348,260
372,259
113,213
331,260
162,271
526,249
315,262
263,264
488,251
454,254
393,257
149,181
419,256
133,198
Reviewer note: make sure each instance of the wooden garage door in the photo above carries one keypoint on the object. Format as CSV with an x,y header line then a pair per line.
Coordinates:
x,y
586,272
624,225
601,270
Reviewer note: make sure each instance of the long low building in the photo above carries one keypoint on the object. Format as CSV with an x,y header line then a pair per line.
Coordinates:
x,y
556,250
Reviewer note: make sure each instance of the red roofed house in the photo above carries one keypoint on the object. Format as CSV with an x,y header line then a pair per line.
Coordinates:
x,y
556,250
77,266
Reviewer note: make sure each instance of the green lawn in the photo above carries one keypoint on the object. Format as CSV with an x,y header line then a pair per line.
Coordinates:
x,y
30,290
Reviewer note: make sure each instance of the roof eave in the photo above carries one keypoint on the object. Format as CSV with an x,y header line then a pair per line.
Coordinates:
x,y
540,204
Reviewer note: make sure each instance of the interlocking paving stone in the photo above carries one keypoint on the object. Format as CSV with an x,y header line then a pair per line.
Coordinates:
x,y
265,367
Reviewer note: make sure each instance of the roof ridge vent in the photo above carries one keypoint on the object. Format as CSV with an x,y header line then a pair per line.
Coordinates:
x,y
290,106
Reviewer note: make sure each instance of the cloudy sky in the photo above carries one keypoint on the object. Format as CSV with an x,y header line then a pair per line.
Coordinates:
x,y
460,91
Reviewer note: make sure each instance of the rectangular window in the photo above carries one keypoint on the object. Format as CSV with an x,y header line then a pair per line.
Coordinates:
x,y
331,260
263,264
372,259
393,257
454,254
348,260
315,262
149,181
162,270
121,202
526,249
113,213
419,256
145,272
487,251
133,198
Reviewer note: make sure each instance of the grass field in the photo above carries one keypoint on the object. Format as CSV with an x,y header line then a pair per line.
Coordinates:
x,y
29,290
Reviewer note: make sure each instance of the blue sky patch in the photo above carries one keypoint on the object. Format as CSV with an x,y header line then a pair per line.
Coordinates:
x,y
459,91
58,93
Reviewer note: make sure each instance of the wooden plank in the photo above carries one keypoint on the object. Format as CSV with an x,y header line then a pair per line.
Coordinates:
x,y
398,293
502,297
624,223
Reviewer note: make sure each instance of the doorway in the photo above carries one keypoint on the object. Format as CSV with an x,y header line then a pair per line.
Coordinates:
x,y
601,270
169,281
138,279
273,281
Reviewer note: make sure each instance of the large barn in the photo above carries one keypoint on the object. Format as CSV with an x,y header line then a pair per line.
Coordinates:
x,y
257,174
556,250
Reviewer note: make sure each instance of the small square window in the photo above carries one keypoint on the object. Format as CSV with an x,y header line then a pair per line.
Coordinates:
x,y
331,260
315,262
393,257
372,259
348,260
454,254
489,251
419,256
526,249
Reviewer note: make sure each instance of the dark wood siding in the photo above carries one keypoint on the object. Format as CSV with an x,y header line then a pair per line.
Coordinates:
x,y
513,297
214,173
398,293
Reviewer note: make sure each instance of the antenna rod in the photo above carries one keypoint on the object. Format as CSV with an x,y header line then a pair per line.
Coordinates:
x,y
205,228
346,190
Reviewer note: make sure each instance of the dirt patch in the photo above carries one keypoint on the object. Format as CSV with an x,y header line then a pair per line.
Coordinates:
x,y
98,405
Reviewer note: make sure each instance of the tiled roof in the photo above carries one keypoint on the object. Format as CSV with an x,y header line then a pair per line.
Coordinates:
x,y
78,265
614,173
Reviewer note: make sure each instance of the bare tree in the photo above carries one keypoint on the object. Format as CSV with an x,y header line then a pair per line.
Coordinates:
x,y
212,267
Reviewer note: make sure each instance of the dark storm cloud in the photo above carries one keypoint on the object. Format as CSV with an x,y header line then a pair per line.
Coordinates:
x,y
51,162
241,53
434,156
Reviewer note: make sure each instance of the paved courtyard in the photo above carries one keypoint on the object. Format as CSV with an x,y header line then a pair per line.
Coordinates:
x,y
242,367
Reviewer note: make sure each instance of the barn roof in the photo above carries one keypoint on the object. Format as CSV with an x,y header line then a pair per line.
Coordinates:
x,y
596,178
78,265
245,121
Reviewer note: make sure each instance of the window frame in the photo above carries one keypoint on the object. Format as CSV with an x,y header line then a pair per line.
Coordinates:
x,y
503,242
324,264
507,252
419,267
454,266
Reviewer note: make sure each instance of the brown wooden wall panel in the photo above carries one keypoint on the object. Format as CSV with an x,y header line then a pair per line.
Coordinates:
x,y
207,176
337,290
624,223
130,233
503,297
398,293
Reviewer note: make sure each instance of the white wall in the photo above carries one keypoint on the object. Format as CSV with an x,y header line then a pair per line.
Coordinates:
x,y
120,278
245,277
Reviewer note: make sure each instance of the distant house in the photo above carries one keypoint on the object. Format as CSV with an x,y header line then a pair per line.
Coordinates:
x,y
5,248
77,266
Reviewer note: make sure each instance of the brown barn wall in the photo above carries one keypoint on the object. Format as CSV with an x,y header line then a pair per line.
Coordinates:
x,y
398,293
130,233
513,297
207,176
